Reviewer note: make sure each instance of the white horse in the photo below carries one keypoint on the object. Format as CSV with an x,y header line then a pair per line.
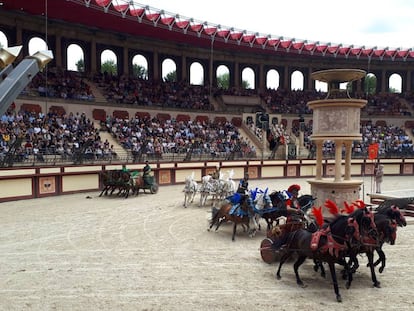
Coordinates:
x,y
209,187
262,202
228,185
190,189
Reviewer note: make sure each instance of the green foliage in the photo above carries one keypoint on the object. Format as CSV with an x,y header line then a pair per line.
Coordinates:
x,y
139,71
370,84
245,84
223,81
80,65
171,76
109,67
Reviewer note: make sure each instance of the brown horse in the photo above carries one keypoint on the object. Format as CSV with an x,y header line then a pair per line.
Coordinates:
x,y
243,214
116,179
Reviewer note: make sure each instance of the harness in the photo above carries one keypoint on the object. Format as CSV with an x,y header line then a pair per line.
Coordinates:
x,y
332,246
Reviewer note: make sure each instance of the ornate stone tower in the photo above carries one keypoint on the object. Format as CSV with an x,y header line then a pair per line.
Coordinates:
x,y
336,118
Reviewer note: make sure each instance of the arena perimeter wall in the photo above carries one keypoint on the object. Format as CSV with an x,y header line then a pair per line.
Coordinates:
x,y
37,182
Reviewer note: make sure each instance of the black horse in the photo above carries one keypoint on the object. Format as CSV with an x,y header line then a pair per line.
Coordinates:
x,y
331,245
279,209
386,219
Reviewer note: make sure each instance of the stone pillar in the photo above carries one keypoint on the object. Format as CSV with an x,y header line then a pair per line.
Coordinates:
x,y
348,158
155,64
19,41
311,82
338,160
286,81
58,53
184,73
261,87
319,154
408,81
93,55
125,64
237,77
383,82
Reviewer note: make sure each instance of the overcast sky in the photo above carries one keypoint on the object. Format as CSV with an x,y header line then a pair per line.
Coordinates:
x,y
354,22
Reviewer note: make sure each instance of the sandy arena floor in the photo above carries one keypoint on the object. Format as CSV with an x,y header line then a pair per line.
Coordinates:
x,y
150,253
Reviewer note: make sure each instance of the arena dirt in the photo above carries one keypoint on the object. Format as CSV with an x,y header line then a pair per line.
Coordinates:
x,y
84,252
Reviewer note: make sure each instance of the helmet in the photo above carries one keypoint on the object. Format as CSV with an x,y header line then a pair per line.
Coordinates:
x,y
285,195
293,187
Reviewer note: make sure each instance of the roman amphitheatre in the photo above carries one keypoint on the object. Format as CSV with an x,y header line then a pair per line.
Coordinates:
x,y
64,247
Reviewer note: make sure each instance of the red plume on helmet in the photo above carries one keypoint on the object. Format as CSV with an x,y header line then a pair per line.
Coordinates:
x,y
332,207
293,187
360,204
317,212
348,208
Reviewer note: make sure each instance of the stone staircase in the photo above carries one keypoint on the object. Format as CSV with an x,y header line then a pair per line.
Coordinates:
x,y
99,97
122,153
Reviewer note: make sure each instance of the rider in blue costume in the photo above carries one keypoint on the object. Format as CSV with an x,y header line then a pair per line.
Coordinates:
x,y
244,184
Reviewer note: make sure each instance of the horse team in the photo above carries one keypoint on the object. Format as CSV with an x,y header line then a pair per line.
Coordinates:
x,y
337,240
213,187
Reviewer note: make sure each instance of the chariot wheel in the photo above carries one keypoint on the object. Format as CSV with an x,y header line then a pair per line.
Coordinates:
x,y
267,252
154,188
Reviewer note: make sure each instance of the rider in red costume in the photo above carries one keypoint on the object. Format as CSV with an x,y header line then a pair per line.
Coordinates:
x,y
293,202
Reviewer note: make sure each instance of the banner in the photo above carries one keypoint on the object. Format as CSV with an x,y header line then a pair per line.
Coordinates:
x,y
373,151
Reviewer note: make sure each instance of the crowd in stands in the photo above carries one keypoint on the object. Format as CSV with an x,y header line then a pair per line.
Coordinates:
x,y
120,89
61,84
392,140
29,134
66,135
135,91
153,138
294,102
74,136
290,102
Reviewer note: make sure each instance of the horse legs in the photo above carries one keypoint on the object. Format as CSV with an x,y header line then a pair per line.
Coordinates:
x,y
301,259
319,265
282,260
103,190
214,218
381,259
370,256
234,232
335,281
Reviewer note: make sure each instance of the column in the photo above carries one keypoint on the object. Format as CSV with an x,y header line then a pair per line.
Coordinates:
x,y
19,41
310,81
184,76
157,74
338,160
319,145
93,55
384,82
261,87
125,61
237,77
348,158
286,82
58,53
408,81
